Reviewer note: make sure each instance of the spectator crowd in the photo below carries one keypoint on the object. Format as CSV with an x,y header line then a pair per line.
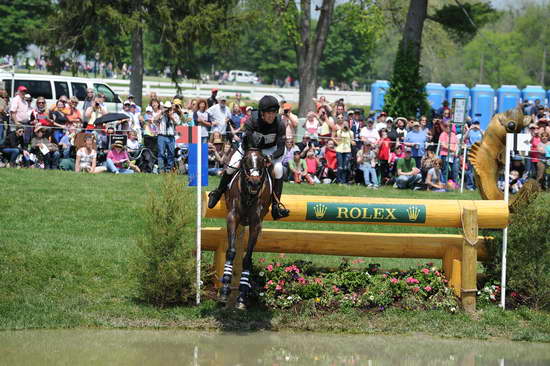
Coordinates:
x,y
339,145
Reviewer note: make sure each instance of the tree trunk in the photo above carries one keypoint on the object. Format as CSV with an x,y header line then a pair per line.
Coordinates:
x,y
412,34
136,80
310,50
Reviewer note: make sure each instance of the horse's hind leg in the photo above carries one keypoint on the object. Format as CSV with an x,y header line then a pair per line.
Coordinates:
x,y
244,283
232,224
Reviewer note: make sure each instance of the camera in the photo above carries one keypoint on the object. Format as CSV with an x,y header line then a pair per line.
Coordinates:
x,y
96,104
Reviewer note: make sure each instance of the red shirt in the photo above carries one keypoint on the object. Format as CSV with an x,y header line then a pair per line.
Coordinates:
x,y
311,165
330,155
384,151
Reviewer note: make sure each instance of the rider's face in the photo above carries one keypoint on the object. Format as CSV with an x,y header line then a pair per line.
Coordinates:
x,y
269,117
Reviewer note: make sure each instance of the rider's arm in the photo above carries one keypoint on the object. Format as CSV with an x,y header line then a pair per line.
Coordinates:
x,y
281,138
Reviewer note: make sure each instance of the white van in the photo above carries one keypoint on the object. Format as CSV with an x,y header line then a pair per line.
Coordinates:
x,y
52,87
243,77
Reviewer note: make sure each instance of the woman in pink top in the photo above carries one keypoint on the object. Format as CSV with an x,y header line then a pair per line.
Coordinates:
x,y
311,125
118,161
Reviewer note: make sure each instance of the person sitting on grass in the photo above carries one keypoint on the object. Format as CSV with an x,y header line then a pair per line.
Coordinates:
x,y
408,175
312,163
433,177
86,157
47,152
298,168
118,161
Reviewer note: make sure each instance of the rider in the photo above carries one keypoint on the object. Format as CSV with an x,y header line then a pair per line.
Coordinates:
x,y
264,131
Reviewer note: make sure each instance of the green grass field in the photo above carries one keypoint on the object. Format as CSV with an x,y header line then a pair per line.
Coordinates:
x,y
67,240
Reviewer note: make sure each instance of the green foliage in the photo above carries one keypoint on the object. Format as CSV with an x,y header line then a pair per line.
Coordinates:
x,y
457,24
406,96
528,255
20,21
165,266
354,32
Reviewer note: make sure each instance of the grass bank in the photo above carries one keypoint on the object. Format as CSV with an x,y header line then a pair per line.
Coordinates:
x,y
66,243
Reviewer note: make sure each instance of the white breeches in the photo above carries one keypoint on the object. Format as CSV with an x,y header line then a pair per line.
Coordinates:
x,y
238,155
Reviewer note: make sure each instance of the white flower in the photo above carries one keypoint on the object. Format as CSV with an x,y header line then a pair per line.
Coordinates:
x,y
262,294
261,274
371,298
289,298
492,297
453,309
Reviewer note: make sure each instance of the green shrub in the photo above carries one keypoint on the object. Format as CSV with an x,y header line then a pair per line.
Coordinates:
x,y
165,265
528,259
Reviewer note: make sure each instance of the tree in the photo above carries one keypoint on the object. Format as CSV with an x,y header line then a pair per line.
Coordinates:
x,y
350,45
110,27
20,21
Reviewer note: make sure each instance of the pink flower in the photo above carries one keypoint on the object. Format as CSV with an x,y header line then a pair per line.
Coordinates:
x,y
394,280
411,280
302,280
277,264
445,281
282,282
318,281
335,289
415,289
261,260
437,273
288,269
514,294
425,271
269,267
427,288
278,288
270,282
357,261
385,275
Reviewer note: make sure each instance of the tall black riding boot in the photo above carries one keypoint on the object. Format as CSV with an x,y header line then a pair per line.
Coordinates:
x,y
216,194
278,211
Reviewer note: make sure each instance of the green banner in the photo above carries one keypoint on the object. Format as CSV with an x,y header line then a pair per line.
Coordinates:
x,y
399,213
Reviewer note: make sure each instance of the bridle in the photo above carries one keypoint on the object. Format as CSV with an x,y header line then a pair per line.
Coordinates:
x,y
253,176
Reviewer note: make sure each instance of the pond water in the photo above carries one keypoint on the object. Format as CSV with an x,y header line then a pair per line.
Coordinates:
x,y
167,347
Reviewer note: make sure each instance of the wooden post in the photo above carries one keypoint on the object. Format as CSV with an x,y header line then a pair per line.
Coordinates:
x,y
219,258
469,259
451,254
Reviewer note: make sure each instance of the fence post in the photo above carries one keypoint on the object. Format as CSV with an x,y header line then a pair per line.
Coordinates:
x,y
469,259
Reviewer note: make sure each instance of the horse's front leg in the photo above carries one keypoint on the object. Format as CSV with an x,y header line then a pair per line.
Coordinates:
x,y
232,224
244,284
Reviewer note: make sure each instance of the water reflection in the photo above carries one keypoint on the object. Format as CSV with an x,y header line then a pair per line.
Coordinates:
x,y
130,347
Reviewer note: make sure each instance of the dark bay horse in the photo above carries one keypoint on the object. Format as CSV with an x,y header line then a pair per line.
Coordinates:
x,y
248,200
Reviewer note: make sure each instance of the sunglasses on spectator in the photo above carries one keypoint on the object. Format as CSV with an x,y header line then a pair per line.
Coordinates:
x,y
40,102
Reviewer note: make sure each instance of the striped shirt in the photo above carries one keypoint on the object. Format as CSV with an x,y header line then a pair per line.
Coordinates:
x,y
166,126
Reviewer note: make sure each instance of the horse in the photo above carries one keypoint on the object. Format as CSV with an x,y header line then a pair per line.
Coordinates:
x,y
248,199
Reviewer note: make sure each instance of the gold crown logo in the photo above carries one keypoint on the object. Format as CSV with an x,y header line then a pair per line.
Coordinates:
x,y
320,210
413,212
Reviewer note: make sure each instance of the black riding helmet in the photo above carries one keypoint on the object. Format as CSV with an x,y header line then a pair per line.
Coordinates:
x,y
268,103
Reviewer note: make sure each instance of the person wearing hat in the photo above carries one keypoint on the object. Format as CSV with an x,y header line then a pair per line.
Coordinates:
x,y
166,136
42,147
264,131
118,160
381,122
408,175
19,107
132,99
416,139
14,145
212,100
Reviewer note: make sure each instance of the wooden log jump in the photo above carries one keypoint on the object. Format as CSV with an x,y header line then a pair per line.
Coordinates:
x,y
459,253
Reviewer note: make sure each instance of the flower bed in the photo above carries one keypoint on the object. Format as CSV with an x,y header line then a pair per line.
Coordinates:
x,y
284,285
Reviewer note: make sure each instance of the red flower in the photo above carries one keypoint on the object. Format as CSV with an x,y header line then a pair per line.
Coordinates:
x,y
261,260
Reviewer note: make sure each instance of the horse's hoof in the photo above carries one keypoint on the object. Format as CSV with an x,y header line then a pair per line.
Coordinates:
x,y
240,305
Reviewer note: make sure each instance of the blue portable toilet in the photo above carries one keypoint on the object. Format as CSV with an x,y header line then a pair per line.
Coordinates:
x,y
483,104
457,91
533,92
436,95
508,97
378,91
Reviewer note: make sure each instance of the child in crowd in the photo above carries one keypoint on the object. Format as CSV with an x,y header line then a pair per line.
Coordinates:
x,y
298,167
433,177
312,163
366,159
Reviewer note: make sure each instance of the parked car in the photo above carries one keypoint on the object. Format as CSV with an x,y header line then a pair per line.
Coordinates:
x,y
243,77
52,87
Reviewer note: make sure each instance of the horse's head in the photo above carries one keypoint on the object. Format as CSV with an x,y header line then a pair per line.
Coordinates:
x,y
254,165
